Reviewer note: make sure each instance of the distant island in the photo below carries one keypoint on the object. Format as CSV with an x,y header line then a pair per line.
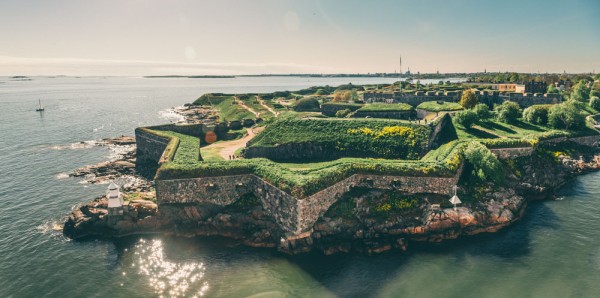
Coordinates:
x,y
364,168
190,77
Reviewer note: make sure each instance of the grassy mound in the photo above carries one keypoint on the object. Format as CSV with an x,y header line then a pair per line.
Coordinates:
x,y
435,106
357,138
382,107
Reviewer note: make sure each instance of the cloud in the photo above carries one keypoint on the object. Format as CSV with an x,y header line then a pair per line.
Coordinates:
x,y
76,66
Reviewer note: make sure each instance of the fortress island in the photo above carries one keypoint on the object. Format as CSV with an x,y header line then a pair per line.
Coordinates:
x,y
364,168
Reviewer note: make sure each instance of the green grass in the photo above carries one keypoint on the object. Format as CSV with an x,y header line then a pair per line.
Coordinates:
x,y
382,107
434,106
230,111
358,137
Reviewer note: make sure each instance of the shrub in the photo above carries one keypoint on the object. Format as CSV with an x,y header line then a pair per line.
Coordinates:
x,y
309,104
565,116
486,167
580,91
508,112
468,99
482,111
342,113
537,114
466,118
595,103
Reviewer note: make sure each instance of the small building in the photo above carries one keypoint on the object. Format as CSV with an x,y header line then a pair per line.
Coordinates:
x,y
535,87
115,200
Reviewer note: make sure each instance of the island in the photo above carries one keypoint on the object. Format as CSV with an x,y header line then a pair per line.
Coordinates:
x,y
365,168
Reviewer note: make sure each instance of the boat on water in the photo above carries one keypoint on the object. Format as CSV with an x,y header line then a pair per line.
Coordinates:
x,y
40,107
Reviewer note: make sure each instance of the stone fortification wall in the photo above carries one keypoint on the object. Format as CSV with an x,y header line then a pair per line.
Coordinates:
x,y
294,215
528,100
194,130
509,153
411,99
295,151
386,114
331,109
149,147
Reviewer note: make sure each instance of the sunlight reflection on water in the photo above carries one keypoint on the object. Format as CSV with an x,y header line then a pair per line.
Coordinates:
x,y
168,278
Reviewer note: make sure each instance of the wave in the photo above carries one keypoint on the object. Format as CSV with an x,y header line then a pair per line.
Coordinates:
x,y
171,115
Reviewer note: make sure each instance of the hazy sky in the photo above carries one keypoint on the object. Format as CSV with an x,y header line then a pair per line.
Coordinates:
x,y
144,37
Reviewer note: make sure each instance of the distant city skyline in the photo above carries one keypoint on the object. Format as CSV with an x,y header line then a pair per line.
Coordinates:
x,y
134,37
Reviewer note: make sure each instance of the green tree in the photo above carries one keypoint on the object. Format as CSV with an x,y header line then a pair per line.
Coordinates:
x,y
537,114
508,112
468,99
466,118
552,89
482,111
486,167
581,92
595,103
566,116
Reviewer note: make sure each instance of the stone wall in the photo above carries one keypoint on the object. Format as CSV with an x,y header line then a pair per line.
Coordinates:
x,y
528,100
194,130
331,109
294,215
591,141
150,147
508,153
386,114
411,99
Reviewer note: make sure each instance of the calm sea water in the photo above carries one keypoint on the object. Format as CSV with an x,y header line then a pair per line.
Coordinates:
x,y
553,252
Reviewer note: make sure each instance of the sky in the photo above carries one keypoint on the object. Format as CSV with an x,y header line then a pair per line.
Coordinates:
x,y
146,37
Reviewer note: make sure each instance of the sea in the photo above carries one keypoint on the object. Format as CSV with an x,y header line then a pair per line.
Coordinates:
x,y
554,251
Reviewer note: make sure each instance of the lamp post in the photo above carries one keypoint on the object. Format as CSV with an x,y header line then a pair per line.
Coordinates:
x,y
455,200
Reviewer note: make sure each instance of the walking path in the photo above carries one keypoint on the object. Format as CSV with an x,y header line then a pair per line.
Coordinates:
x,y
228,148
262,103
242,104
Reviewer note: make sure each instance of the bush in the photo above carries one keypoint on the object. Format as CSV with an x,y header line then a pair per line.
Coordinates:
x,y
342,113
466,118
486,167
482,111
537,114
468,99
565,116
309,104
508,112
581,92
595,103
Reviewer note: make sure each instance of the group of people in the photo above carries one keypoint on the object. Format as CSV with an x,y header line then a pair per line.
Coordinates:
x,y
232,157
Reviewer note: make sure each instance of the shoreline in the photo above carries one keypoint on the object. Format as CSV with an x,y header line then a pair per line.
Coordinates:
x,y
248,224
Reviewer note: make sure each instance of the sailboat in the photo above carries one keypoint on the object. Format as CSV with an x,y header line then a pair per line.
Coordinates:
x,y
40,108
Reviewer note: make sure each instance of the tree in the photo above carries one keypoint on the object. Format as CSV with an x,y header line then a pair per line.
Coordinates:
x,y
595,103
537,114
508,112
482,111
552,89
466,118
486,166
581,92
468,99
565,116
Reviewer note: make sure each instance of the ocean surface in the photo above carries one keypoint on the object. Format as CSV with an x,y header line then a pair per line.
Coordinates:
x,y
553,252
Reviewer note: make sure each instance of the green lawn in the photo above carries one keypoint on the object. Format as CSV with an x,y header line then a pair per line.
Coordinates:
x,y
434,106
383,107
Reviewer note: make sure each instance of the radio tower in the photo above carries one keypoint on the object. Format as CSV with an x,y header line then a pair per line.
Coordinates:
x,y
400,72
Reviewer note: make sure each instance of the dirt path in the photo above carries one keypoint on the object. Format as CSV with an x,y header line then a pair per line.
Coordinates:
x,y
262,103
227,149
242,104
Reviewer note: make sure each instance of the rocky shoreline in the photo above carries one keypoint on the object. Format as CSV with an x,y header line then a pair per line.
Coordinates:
x,y
339,230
